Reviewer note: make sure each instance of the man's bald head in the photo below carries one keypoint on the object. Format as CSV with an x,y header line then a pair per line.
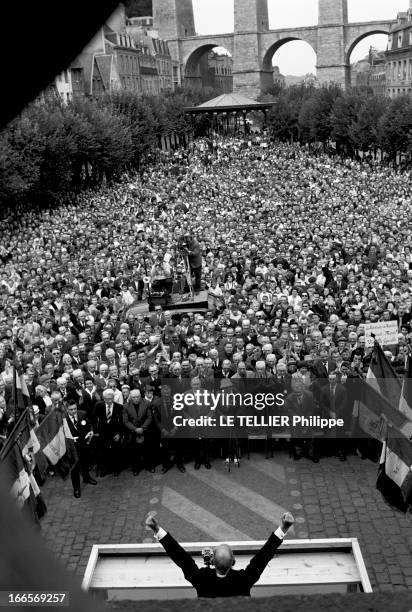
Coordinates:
x,y
223,558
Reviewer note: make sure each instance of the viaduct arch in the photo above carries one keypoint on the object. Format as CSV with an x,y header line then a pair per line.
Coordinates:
x,y
252,44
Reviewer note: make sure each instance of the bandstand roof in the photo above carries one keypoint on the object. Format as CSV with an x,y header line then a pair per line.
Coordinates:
x,y
228,102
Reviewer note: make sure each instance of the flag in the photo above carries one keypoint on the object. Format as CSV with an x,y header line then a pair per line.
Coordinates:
x,y
405,402
21,395
23,486
382,377
395,471
30,445
58,449
374,412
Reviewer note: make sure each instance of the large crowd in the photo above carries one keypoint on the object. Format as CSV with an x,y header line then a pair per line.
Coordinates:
x,y
298,252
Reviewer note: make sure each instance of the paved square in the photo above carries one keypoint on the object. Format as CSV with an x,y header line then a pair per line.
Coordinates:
x,y
330,499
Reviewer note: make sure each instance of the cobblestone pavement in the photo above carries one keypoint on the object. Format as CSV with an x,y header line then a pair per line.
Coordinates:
x,y
330,499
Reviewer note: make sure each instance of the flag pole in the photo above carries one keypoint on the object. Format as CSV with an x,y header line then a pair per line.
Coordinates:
x,y
13,347
13,436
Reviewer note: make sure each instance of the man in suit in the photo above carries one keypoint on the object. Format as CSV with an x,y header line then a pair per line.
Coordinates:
x,y
103,376
220,579
137,419
333,401
171,445
323,366
154,379
81,429
226,371
338,285
301,402
108,425
90,397
157,318
242,372
67,390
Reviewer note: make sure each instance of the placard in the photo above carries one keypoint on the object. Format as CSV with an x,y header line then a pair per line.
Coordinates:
x,y
385,332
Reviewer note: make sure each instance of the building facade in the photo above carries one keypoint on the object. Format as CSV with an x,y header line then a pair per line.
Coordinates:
x,y
149,76
144,35
370,72
377,81
399,56
213,70
125,55
221,68
278,78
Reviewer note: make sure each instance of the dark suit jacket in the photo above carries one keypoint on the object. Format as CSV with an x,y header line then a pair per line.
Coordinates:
x,y
163,416
89,403
307,408
319,369
207,583
333,286
154,320
341,401
80,430
219,374
136,416
107,430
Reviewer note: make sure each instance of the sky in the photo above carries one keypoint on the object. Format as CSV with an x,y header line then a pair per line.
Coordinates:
x,y
296,57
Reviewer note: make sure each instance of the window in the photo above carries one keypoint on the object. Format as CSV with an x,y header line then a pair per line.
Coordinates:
x,y
400,39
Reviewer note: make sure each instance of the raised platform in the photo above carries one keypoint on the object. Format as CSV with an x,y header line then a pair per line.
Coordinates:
x,y
144,571
178,304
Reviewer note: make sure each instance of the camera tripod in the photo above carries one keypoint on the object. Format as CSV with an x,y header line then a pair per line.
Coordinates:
x,y
182,261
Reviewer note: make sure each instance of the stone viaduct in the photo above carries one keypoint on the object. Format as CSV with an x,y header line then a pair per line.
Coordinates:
x,y
252,44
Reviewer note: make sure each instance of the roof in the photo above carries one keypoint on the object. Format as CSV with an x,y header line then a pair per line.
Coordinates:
x,y
232,99
228,102
104,66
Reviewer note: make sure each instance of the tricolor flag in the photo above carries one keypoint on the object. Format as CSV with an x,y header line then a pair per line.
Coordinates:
x,y
21,395
52,433
30,445
405,402
382,377
374,411
395,471
24,489
378,399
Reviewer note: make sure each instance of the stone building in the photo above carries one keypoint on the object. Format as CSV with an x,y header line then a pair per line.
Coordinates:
x,y
377,81
215,70
370,72
109,62
125,54
149,76
221,66
278,78
143,33
399,56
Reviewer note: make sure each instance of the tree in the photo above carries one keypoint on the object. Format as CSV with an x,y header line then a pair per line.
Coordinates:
x,y
395,127
58,152
316,113
281,120
21,154
344,114
364,132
